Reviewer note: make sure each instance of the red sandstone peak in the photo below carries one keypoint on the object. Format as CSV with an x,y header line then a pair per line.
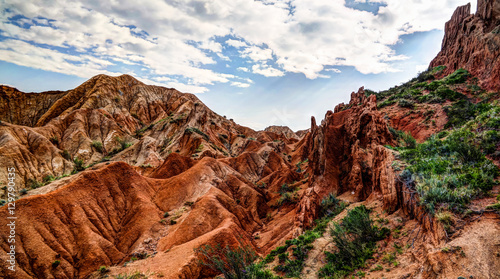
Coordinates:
x,y
472,42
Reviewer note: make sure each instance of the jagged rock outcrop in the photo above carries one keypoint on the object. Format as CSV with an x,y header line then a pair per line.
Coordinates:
x,y
209,198
283,130
346,154
472,42
25,109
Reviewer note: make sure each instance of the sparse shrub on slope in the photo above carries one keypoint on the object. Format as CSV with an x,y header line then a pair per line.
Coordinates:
x,y
450,172
355,239
292,265
233,263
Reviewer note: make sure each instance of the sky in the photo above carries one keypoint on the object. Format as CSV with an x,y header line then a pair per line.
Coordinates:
x,y
259,62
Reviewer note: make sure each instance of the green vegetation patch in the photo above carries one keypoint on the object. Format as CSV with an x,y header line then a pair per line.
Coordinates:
x,y
450,169
233,263
355,242
197,131
411,93
292,265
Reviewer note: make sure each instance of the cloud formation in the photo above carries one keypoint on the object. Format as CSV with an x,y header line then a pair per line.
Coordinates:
x,y
180,43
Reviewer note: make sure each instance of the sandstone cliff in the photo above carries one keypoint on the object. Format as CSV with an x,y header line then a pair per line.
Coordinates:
x,y
472,41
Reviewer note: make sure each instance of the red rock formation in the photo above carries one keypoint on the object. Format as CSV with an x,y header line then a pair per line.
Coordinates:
x,y
283,130
472,42
110,111
212,200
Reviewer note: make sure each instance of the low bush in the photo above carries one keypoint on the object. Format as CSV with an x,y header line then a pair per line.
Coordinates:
x,y
459,76
65,154
124,144
330,206
404,103
233,263
452,171
355,240
56,263
97,145
79,165
54,140
197,131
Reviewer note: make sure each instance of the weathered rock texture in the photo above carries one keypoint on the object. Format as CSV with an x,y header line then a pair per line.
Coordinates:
x,y
191,177
226,193
472,42
42,133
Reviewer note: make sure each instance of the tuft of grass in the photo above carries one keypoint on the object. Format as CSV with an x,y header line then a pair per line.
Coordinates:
x,y
56,263
197,131
123,144
97,145
355,241
54,140
65,154
331,206
233,263
79,165
292,265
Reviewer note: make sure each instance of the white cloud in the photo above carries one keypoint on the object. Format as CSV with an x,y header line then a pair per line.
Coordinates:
x,y
235,43
240,84
266,70
182,38
337,71
257,54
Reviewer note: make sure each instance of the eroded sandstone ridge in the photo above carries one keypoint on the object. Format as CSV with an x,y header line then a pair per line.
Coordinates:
x,y
219,182
151,173
472,41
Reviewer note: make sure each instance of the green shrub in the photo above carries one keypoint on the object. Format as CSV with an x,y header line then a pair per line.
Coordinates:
x,y
433,85
330,206
103,269
196,130
139,133
79,165
34,184
286,188
97,145
459,76
406,103
292,267
54,140
65,154
287,198
447,94
124,144
450,172
231,262
48,178
56,263
462,111
355,239
199,149
386,103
